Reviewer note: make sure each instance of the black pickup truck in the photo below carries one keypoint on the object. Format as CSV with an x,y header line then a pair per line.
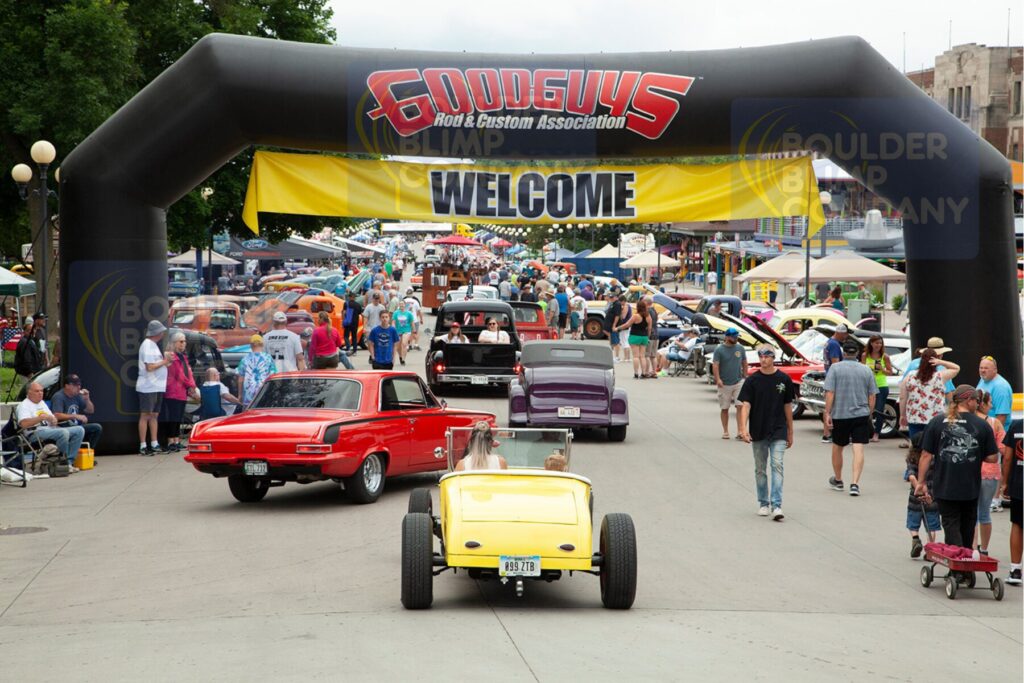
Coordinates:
x,y
472,362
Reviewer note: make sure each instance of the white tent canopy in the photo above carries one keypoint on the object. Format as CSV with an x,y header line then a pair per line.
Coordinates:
x,y
848,266
607,251
188,258
787,267
650,259
353,245
12,284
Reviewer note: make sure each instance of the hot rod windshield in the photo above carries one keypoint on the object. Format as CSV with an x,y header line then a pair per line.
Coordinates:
x,y
309,392
521,448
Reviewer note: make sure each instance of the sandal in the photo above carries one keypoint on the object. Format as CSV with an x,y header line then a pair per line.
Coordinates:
x,y
726,436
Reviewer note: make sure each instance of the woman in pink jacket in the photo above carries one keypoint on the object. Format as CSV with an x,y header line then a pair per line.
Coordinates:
x,y
180,385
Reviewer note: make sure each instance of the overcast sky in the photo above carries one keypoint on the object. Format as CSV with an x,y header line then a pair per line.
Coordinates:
x,y
523,26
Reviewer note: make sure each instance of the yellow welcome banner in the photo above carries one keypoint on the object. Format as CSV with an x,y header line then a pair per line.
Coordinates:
x,y
314,185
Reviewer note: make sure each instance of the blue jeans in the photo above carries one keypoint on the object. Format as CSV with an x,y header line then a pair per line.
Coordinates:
x,y
68,439
883,394
988,492
762,450
343,359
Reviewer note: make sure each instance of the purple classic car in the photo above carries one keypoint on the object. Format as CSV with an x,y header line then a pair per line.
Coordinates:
x,y
568,384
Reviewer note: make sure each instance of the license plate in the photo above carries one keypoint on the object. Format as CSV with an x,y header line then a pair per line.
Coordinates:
x,y
255,468
479,379
519,565
569,411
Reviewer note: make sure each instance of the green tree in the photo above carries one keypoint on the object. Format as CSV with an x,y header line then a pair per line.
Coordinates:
x,y
67,65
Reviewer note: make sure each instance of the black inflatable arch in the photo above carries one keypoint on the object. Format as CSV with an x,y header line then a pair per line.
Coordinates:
x,y
229,92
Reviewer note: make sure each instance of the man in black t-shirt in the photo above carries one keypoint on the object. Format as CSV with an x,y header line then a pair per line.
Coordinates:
x,y
1013,484
958,448
611,320
350,324
766,402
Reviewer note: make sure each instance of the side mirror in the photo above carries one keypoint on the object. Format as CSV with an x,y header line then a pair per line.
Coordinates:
x,y
439,453
444,403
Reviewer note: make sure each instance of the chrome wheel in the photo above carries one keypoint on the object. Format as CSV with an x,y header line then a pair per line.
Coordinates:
x,y
373,473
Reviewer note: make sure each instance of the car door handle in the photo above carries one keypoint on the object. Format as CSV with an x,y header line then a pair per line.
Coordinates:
x,y
412,420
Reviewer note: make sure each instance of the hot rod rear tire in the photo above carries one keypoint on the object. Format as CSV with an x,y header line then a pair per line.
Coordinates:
x,y
417,561
617,433
618,568
248,489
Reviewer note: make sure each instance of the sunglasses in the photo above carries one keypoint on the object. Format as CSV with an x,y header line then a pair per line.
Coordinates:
x,y
766,354
492,324
988,358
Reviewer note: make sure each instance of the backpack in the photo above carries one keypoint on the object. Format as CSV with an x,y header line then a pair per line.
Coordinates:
x,y
50,461
28,358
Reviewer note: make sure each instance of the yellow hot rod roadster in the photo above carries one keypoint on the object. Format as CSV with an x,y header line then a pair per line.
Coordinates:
x,y
526,522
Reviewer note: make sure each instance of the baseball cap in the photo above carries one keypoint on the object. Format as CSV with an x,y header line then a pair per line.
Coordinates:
x,y
306,333
40,315
73,379
937,345
732,332
255,339
964,392
280,317
850,347
841,327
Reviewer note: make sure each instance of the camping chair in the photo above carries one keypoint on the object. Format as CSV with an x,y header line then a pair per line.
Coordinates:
x,y
16,450
209,403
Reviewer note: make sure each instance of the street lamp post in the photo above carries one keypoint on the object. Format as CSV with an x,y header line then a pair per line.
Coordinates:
x,y
43,153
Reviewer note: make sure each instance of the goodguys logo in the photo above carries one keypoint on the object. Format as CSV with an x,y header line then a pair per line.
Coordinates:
x,y
539,99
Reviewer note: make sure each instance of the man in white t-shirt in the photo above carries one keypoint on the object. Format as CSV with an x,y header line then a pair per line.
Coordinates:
x,y
228,401
151,385
284,346
40,425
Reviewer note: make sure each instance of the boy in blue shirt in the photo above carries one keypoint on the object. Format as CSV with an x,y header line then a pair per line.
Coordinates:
x,y
381,342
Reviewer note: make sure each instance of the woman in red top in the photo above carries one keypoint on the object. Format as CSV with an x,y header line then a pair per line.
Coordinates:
x,y
325,345
180,385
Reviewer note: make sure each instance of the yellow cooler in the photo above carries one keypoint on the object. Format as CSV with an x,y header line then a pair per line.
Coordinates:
x,y
86,459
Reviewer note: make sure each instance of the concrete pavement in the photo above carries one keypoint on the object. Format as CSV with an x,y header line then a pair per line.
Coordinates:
x,y
151,571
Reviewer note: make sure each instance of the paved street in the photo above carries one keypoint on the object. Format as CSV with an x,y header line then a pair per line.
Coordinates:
x,y
151,571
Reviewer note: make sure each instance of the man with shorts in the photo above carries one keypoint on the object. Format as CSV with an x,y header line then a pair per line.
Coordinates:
x,y
412,304
833,354
284,346
151,385
611,320
729,365
850,390
553,314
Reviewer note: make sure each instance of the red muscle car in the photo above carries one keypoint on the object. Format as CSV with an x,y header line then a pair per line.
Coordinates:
x,y
356,428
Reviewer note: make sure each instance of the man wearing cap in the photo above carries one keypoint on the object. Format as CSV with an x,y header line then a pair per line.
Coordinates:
x,y
850,390
956,444
767,400
995,384
151,385
28,359
729,365
304,338
73,405
39,334
553,313
284,346
412,304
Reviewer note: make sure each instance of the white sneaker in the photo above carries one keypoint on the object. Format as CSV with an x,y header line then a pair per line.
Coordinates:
x,y
763,511
777,514
73,469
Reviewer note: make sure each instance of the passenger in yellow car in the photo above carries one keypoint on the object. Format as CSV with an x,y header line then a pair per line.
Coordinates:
x,y
478,451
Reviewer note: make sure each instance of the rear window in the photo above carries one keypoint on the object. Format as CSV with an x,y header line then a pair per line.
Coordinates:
x,y
527,314
312,392
183,317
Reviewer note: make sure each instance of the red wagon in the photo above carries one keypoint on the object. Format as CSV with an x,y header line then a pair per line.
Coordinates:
x,y
965,566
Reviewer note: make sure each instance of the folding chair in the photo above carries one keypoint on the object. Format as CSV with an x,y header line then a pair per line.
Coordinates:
x,y
16,450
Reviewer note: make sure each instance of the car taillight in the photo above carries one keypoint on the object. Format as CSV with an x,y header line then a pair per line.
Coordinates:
x,y
517,368
439,367
200,447
312,448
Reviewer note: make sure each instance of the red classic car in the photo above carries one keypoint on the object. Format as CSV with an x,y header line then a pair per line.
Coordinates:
x,y
352,427
530,322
